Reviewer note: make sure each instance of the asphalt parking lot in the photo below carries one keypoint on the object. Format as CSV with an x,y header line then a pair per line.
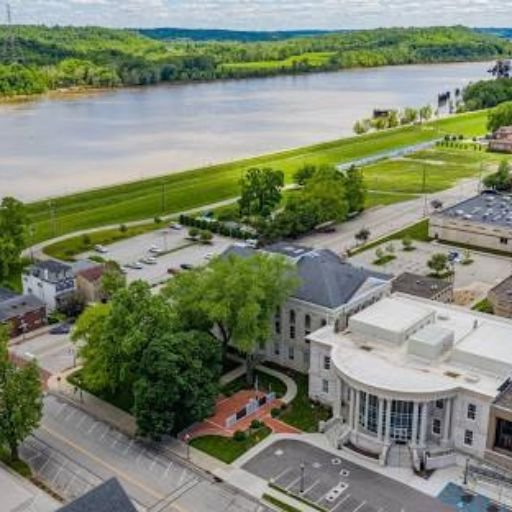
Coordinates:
x,y
486,269
178,251
334,483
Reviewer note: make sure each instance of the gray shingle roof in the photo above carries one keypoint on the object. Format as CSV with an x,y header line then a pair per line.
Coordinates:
x,y
107,497
326,279
19,305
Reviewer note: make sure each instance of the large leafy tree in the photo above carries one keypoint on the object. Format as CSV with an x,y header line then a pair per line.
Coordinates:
x,y
234,299
179,375
112,279
500,116
355,189
21,401
13,227
501,179
260,191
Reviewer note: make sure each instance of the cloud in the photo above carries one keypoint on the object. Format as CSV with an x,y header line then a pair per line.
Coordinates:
x,y
264,14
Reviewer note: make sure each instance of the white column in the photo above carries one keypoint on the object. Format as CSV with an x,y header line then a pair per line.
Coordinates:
x,y
447,420
387,436
336,410
415,412
352,407
358,408
423,425
380,418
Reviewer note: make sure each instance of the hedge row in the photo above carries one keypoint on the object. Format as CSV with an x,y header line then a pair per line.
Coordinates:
x,y
215,227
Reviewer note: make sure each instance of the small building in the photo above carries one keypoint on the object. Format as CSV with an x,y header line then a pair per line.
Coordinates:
x,y
107,497
51,281
424,287
501,298
501,141
483,221
331,290
88,283
21,313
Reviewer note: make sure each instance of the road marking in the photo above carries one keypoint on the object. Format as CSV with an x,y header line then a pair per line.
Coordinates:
x,y
345,498
96,459
360,506
280,475
79,424
311,487
171,464
290,485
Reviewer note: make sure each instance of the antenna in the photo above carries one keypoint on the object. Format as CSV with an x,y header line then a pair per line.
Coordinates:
x,y
11,53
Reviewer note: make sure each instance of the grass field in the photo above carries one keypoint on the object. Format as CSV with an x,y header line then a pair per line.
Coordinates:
x,y
312,58
191,189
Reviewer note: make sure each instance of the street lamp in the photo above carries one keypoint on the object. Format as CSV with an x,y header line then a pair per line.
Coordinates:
x,y
187,445
302,468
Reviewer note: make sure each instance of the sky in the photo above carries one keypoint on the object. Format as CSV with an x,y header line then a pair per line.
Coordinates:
x,y
263,14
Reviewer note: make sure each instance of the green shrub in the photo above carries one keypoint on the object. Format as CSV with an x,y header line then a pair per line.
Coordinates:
x,y
275,412
239,436
255,424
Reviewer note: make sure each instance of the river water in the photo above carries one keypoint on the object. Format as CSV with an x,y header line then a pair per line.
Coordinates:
x,y
55,146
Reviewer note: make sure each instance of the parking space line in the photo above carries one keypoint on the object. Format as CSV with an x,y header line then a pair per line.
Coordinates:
x,y
82,419
290,485
360,506
345,498
166,472
311,487
93,426
129,445
280,475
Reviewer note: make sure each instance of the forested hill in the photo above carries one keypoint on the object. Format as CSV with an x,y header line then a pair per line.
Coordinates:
x,y
506,33
245,36
44,58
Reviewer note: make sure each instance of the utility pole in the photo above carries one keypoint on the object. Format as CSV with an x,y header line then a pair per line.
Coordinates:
x,y
11,51
162,199
424,190
53,220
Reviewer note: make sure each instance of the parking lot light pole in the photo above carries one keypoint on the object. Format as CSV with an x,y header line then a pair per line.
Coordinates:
x,y
302,468
187,445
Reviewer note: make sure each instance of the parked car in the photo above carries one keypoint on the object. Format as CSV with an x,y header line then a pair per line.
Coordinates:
x,y
150,260
136,265
186,266
454,257
176,226
100,248
155,250
173,271
61,329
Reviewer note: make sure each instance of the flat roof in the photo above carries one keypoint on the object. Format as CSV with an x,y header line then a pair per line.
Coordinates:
x,y
421,286
480,358
384,314
487,208
504,289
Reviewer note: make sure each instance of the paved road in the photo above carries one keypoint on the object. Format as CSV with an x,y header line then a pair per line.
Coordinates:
x,y
384,220
73,452
360,490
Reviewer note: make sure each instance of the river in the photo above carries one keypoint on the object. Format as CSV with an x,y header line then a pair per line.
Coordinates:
x,y
54,146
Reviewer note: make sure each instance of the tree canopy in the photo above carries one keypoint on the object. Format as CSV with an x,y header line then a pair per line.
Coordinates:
x,y
260,191
500,116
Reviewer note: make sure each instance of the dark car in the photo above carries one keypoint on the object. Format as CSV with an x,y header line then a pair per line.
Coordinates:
x,y
61,329
186,266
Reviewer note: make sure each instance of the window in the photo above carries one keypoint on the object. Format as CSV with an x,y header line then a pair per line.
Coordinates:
x,y
323,323
292,332
292,316
471,412
440,404
468,438
291,353
327,363
436,426
278,326
504,241
307,325
277,349
325,386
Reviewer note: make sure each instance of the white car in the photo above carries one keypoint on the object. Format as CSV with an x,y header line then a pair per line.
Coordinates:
x,y
176,226
137,265
155,250
149,260
101,249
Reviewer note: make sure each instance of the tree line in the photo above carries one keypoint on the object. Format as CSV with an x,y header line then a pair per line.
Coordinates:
x,y
60,57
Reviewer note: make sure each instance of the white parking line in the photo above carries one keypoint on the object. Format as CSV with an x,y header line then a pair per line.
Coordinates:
x,y
169,467
345,498
311,487
83,418
127,449
280,475
290,485
360,506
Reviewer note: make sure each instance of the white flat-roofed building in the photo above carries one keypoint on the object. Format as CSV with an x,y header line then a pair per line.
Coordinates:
x,y
413,381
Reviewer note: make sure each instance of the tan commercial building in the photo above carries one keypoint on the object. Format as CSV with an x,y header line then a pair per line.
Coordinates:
x,y
501,298
501,141
483,221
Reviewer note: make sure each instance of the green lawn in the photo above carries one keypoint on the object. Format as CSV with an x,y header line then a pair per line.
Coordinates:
x,y
196,188
484,306
313,58
227,449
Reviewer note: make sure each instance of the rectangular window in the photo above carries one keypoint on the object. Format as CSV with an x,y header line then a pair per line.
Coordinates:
x,y
440,404
436,426
504,241
277,349
278,327
327,363
325,386
468,438
291,353
292,332
471,412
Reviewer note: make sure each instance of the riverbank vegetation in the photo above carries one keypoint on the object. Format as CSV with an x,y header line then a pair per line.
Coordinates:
x,y
66,57
178,192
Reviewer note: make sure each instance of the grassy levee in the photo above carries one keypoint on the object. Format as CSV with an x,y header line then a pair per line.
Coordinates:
x,y
195,188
